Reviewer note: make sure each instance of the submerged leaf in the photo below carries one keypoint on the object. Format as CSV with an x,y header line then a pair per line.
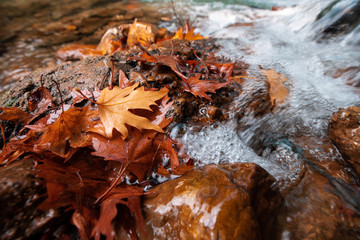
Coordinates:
x,y
278,90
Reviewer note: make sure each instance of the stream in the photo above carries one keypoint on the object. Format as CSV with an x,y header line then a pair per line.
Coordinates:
x,y
292,37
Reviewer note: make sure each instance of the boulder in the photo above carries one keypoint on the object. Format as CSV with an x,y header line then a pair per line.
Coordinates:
x,y
228,201
21,195
344,131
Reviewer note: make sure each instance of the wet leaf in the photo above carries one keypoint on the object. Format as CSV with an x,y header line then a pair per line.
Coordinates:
x,y
278,89
125,195
200,88
69,127
14,114
40,100
114,106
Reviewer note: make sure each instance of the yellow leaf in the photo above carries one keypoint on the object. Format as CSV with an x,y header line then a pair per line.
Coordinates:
x,y
278,90
114,104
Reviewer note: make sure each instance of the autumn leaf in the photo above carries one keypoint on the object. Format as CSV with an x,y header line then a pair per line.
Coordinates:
x,y
114,106
14,114
68,128
125,195
200,88
187,33
137,152
278,90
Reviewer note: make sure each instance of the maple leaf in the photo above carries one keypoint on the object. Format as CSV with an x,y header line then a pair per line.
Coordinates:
x,y
126,195
199,88
70,125
137,152
114,108
187,33
14,114
278,90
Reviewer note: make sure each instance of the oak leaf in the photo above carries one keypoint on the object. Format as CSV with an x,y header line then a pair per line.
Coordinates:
x,y
114,106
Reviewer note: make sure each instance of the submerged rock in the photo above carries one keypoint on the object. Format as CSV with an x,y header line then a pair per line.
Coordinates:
x,y
229,201
344,131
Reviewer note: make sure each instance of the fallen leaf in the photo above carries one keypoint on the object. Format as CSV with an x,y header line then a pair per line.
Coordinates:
x,y
137,152
40,99
125,195
180,170
200,88
68,128
114,106
278,90
14,114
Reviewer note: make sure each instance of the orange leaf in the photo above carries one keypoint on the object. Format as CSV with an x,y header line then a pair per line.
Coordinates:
x,y
114,108
68,128
180,170
278,90
14,114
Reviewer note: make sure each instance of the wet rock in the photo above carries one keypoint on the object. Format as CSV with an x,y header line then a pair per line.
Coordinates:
x,y
20,196
320,207
344,131
229,201
339,17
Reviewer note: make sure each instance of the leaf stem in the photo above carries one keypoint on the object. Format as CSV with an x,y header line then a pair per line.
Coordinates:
x,y
61,99
79,91
113,184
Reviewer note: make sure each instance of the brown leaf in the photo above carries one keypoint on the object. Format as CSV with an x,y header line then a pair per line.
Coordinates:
x,y
114,106
14,114
126,195
200,88
41,99
180,170
278,89
137,152
70,125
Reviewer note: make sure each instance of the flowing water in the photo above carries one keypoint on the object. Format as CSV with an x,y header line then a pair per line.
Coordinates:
x,y
288,40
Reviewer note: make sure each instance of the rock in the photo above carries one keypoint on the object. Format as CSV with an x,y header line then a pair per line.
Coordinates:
x,y
344,131
320,207
20,197
229,201
339,17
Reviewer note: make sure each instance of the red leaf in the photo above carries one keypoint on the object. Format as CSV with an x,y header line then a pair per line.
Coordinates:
x,y
200,87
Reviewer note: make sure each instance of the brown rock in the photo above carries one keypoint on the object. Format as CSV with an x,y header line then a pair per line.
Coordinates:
x,y
344,131
320,207
229,201
20,198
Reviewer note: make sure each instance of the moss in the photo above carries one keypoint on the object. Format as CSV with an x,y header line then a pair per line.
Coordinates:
x,y
10,102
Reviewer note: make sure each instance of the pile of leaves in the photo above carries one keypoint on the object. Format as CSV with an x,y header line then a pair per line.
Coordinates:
x,y
98,154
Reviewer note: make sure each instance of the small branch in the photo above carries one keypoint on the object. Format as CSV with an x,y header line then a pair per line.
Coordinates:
x,y
177,17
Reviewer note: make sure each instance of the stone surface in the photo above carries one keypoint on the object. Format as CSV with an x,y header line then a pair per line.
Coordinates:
x,y
229,201
344,131
20,197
